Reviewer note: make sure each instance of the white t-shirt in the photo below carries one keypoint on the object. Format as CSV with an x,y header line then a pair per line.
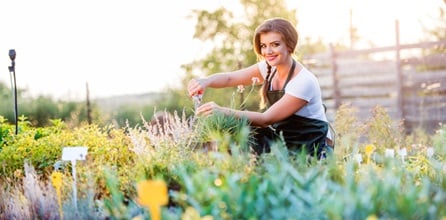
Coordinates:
x,y
304,86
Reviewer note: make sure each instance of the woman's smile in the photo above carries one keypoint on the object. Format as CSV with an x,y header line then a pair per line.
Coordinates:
x,y
270,57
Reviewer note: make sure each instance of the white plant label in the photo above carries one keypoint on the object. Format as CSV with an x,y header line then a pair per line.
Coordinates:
x,y
74,153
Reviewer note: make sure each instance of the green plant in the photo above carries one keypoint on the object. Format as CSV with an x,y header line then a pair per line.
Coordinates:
x,y
229,183
348,130
223,130
381,125
5,131
439,141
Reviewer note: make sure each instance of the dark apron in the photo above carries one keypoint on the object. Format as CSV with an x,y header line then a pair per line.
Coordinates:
x,y
299,133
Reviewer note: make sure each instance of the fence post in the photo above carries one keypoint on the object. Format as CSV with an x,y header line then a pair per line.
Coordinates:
x,y
400,76
334,72
89,118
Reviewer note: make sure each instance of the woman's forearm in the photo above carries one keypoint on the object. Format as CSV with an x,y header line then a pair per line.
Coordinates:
x,y
231,79
254,118
218,80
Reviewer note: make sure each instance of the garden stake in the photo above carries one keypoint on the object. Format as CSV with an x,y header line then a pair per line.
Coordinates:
x,y
403,154
72,154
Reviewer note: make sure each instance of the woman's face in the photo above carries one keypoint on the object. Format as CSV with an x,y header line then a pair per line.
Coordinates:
x,y
273,48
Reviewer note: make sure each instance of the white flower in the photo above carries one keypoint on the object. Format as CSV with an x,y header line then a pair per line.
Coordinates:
x,y
255,80
402,152
240,88
358,158
390,153
430,152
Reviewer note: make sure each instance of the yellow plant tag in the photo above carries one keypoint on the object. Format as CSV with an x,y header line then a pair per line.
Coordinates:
x,y
152,194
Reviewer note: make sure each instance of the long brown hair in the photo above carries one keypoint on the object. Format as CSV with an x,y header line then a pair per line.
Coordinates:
x,y
289,35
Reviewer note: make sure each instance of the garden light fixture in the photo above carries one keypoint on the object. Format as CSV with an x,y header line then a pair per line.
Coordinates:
x,y
12,55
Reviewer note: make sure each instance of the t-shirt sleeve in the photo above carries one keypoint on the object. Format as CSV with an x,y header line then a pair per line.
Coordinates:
x,y
301,87
305,86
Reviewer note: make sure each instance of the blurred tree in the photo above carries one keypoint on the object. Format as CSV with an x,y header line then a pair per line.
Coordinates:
x,y
7,103
4,92
75,113
43,108
435,31
40,110
311,46
437,28
124,115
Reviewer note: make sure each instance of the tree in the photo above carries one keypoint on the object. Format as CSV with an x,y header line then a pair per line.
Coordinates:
x,y
7,102
310,46
40,110
437,32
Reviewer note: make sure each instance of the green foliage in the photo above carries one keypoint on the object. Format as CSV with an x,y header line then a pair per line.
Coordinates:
x,y
42,148
381,125
5,130
116,206
439,140
348,130
219,127
42,109
227,183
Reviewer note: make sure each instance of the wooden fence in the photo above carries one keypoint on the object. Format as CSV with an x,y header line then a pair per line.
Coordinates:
x,y
409,85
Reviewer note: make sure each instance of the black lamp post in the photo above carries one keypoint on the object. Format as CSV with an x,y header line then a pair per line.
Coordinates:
x,y
12,55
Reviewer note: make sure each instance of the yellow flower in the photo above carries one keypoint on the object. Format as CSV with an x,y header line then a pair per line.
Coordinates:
x,y
372,217
56,179
192,214
218,182
369,149
152,194
18,173
138,217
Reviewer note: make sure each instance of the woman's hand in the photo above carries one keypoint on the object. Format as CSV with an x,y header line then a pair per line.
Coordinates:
x,y
209,108
195,87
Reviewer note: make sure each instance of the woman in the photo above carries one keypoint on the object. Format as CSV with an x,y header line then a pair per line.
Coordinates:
x,y
290,93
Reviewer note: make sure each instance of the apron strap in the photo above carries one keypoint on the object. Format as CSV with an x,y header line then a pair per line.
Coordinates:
x,y
289,74
269,78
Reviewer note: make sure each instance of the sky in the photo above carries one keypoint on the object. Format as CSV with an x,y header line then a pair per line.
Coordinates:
x,y
137,46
